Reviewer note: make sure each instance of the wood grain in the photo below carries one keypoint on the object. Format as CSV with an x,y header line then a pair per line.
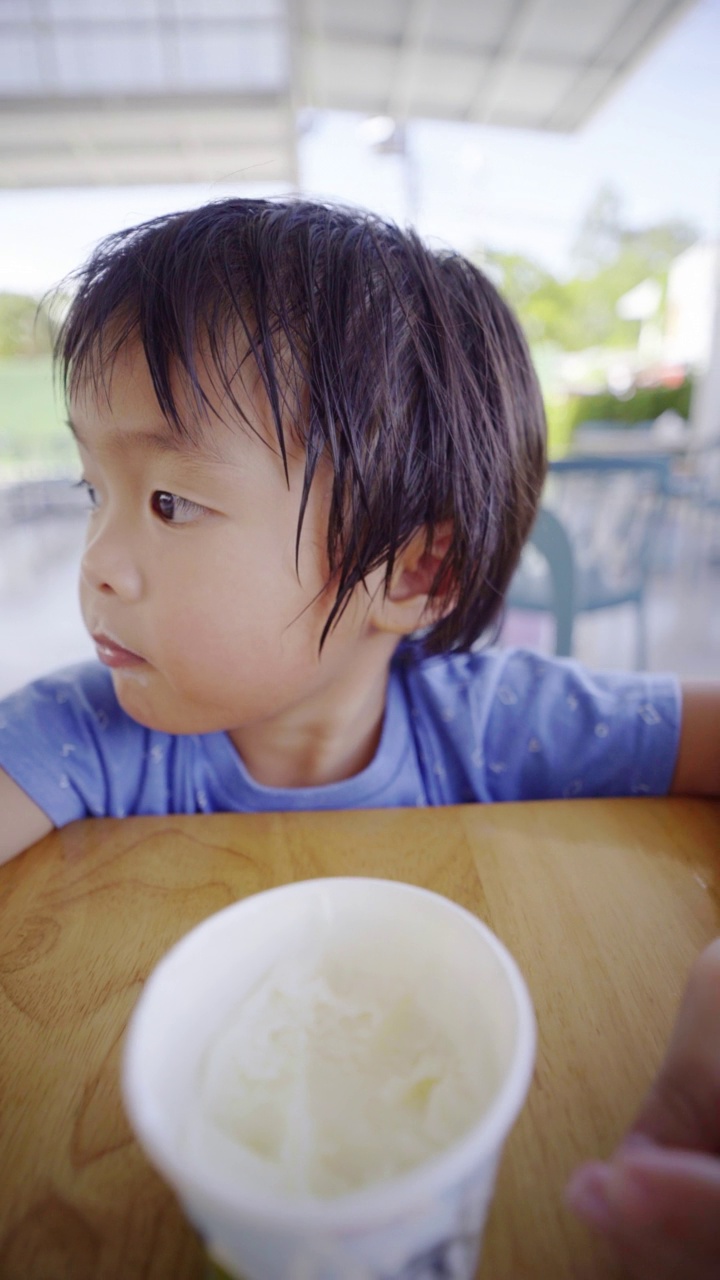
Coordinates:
x,y
603,903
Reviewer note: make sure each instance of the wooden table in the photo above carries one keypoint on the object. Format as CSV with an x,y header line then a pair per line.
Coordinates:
x,y
604,904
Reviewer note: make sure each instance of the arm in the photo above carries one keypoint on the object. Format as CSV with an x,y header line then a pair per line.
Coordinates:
x,y
697,771
23,822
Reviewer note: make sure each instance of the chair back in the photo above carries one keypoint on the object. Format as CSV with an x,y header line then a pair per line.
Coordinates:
x,y
545,577
611,508
591,546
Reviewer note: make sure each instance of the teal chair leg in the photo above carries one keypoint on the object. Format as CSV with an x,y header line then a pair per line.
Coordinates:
x,y
551,538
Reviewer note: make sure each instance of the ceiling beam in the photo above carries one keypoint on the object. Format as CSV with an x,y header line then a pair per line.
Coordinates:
x,y
309,50
504,60
89,168
414,38
609,73
161,21
336,58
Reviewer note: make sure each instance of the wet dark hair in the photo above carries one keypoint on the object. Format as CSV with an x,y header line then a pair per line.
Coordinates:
x,y
402,366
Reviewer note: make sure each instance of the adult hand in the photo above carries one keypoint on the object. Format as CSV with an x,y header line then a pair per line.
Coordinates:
x,y
658,1198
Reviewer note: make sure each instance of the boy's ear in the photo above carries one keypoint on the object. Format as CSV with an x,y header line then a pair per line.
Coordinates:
x,y
405,606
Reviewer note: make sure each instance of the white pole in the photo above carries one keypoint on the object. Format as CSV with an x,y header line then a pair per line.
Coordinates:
x,y
705,407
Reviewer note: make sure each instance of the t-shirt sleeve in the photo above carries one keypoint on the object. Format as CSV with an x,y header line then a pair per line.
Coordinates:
x,y
553,729
68,745
515,725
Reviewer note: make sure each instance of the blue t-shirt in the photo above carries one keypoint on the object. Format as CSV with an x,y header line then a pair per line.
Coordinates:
x,y
483,726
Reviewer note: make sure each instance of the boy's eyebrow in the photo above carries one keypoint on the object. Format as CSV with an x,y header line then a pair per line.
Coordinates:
x,y
160,441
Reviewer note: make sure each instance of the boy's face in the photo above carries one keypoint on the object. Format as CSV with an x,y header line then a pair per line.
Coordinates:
x,y
189,583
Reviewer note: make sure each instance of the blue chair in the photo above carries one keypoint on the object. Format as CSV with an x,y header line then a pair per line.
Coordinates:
x,y
708,496
545,580
592,545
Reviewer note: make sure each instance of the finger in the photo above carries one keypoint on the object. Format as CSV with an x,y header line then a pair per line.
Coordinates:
x,y
643,1256
587,1195
682,1108
675,1194
659,1209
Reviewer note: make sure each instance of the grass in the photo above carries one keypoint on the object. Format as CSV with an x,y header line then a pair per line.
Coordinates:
x,y
33,434
559,413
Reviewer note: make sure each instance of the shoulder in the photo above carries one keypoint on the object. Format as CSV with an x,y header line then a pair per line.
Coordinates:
x,y
460,678
59,720
483,686
504,678
536,727
77,693
67,743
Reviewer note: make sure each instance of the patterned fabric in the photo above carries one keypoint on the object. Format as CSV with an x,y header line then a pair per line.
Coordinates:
x,y
483,726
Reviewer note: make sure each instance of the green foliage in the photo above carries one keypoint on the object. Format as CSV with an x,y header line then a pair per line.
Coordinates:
x,y
32,428
574,314
646,404
599,235
604,238
25,327
611,259
560,423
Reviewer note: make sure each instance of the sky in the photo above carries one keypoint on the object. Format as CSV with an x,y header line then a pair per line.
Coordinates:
x,y
657,142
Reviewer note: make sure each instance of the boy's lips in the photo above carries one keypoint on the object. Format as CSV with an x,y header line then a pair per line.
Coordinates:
x,y
113,654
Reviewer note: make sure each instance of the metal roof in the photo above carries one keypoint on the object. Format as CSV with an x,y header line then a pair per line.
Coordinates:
x,y
145,91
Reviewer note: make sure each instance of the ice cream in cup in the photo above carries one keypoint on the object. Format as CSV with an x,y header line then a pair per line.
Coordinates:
x,y
326,1074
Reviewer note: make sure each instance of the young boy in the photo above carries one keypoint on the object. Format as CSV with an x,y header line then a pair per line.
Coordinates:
x,y
313,450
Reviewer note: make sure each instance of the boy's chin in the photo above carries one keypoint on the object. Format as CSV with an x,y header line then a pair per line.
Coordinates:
x,y
165,714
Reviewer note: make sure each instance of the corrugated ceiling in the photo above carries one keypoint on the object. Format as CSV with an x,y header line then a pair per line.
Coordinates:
x,y
136,91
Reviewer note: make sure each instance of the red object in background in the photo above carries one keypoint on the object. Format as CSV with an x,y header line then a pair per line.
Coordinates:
x,y
665,375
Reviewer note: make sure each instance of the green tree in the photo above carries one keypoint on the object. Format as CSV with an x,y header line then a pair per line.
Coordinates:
x,y
610,257
25,326
600,232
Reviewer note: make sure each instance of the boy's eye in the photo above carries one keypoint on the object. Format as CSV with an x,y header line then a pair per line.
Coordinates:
x,y
90,491
173,509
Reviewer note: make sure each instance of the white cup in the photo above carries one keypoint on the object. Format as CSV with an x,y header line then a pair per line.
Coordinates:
x,y
425,1221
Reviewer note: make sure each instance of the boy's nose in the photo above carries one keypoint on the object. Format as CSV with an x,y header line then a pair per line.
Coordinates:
x,y
108,565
